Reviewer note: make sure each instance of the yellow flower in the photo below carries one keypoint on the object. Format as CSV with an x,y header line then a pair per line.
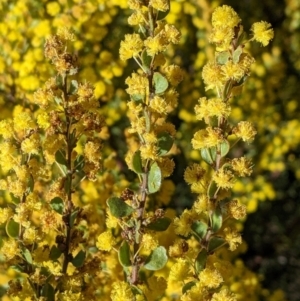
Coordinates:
x,y
105,241
201,205
209,137
53,8
179,270
167,166
121,291
174,74
232,71
262,32
31,144
172,34
236,210
245,130
224,178
223,295
131,47
212,76
184,222
136,18
10,248
242,166
194,173
225,16
156,44
137,84
233,238
53,267
158,104
212,107
210,277
6,128
222,37
162,5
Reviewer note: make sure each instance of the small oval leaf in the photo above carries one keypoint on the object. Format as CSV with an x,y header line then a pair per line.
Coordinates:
x,y
199,228
137,162
224,148
159,225
12,228
212,188
154,178
27,255
209,155
118,207
60,157
217,219
222,57
165,142
48,292
201,260
57,204
160,83
55,253
188,286
236,54
78,260
215,242
124,254
157,259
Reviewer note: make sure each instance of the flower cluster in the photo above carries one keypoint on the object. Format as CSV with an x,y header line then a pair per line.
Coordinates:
x,y
208,225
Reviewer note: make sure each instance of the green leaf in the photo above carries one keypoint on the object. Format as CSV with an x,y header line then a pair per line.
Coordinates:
x,y
124,254
159,225
209,155
48,292
137,97
137,162
57,204
212,188
188,286
154,178
60,157
215,243
223,57
30,184
78,260
217,219
199,228
118,207
73,217
224,148
146,60
27,255
73,86
201,260
12,228
236,54
55,253
164,143
157,259
79,163
160,83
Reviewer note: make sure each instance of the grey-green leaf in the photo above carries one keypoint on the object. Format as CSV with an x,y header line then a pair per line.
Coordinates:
x,y
160,83
124,254
154,178
78,260
199,228
223,57
165,143
236,54
157,259
217,219
215,243
137,162
73,86
48,292
224,148
188,286
55,253
60,157
201,260
118,207
209,155
12,228
212,188
57,204
27,255
159,225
